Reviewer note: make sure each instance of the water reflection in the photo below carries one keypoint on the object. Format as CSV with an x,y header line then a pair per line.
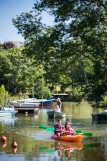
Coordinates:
x,y
4,144
8,120
36,144
66,147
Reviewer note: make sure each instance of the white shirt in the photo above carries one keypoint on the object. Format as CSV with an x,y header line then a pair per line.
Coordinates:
x,y
57,109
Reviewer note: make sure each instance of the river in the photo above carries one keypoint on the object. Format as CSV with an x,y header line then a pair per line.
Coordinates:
x,y
35,144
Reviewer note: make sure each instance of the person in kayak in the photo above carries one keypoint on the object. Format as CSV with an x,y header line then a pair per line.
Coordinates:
x,y
69,130
58,128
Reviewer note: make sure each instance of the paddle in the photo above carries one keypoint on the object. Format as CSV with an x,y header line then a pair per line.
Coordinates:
x,y
78,131
42,127
51,129
87,134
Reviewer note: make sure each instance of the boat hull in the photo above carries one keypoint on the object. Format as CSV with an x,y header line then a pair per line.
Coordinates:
x,y
46,103
100,117
8,111
27,109
3,114
52,114
43,102
25,104
69,138
36,102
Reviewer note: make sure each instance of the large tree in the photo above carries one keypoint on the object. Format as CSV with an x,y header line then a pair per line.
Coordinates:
x,y
76,46
19,73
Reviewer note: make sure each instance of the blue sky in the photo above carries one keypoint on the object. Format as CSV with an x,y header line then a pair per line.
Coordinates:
x,y
8,10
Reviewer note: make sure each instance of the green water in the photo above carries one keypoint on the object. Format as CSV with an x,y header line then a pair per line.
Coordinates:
x,y
36,144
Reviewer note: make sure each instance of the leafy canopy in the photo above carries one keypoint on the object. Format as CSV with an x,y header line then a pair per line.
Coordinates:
x,y
75,46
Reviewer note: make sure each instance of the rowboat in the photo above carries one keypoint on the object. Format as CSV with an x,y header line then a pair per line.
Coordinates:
x,y
52,114
68,138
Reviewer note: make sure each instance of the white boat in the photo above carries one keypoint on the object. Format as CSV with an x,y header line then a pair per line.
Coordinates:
x,y
44,102
23,103
4,113
8,111
23,106
8,120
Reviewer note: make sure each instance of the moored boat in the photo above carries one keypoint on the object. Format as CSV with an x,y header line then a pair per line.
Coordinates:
x,y
68,138
100,116
24,104
4,113
41,102
7,111
52,114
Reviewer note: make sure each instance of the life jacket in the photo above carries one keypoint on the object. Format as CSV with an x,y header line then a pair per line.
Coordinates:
x,y
58,128
68,130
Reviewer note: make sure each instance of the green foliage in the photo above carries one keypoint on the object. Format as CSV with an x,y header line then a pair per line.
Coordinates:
x,y
3,95
74,50
103,103
19,73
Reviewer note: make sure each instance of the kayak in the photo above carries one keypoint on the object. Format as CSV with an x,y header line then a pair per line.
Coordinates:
x,y
69,138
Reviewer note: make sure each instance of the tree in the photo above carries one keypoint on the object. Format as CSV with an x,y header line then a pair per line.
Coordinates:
x,y
8,45
77,38
3,95
19,73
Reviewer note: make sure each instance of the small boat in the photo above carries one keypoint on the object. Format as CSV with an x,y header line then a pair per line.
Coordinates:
x,y
100,116
24,104
7,111
52,114
40,102
8,120
4,113
68,138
